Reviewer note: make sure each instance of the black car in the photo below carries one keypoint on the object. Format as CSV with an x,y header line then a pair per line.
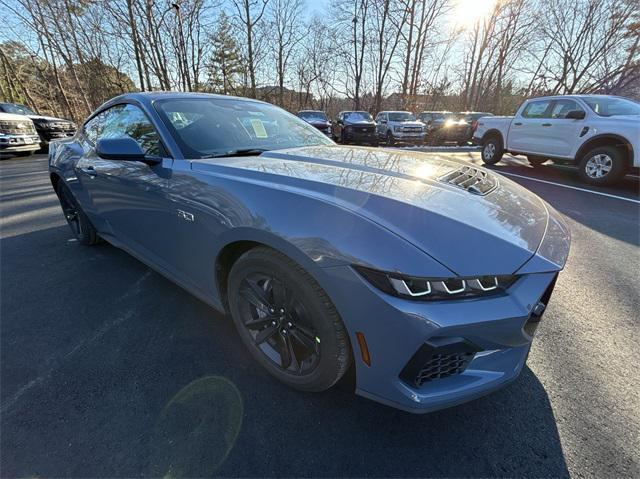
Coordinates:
x,y
444,127
48,128
355,127
318,119
472,117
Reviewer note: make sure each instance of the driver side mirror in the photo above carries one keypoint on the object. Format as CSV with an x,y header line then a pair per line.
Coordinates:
x,y
575,115
126,149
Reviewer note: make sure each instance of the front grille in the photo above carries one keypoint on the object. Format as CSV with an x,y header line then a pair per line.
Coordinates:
x,y
62,126
363,129
442,366
412,129
438,358
471,179
17,127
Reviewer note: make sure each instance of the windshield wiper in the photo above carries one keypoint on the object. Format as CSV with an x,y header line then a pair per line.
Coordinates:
x,y
239,152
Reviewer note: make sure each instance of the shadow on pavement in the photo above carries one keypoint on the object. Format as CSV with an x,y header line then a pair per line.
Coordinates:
x,y
108,369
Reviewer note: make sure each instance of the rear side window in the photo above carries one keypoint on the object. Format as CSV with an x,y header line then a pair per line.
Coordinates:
x,y
536,109
123,121
562,107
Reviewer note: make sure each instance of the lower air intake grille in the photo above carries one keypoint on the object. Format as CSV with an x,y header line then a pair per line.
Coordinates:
x,y
442,366
438,358
471,179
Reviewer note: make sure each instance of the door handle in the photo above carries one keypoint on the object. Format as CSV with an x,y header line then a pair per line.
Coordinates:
x,y
546,124
518,124
90,171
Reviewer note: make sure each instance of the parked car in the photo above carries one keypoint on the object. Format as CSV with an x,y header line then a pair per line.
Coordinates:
x,y
355,127
433,121
472,117
399,127
48,128
18,135
598,133
327,257
318,119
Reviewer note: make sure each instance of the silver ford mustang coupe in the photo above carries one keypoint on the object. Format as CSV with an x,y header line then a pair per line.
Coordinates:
x,y
424,276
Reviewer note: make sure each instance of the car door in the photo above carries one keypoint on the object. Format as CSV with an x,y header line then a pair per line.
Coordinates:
x,y
562,133
529,128
130,197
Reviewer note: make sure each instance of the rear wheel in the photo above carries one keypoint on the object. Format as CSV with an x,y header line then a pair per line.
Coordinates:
x,y
492,150
287,321
536,160
80,225
604,165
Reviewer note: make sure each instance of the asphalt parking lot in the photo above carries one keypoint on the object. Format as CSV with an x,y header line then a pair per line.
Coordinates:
x,y
108,369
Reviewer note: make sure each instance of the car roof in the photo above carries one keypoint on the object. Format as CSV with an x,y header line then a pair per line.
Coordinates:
x,y
395,111
151,96
311,111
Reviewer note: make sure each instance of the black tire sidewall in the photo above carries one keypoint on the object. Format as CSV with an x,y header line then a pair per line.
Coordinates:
x,y
390,139
87,234
618,169
331,363
536,160
497,156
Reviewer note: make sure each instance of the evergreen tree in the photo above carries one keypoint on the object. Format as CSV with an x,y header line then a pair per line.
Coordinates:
x,y
226,65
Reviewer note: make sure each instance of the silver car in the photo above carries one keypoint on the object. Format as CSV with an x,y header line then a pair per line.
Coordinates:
x,y
399,127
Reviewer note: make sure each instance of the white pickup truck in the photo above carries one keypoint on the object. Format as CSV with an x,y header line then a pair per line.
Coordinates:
x,y
598,133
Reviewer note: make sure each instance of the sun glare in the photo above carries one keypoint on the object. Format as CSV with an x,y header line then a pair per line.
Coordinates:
x,y
468,12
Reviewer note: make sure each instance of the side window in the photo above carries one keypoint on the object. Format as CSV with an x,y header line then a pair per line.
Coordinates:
x,y
92,128
562,107
123,121
536,109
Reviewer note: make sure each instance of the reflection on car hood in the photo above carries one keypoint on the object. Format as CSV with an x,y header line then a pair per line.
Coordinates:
x,y
48,118
407,123
403,191
359,122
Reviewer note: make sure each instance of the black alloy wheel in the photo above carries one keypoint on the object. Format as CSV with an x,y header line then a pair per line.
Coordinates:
x,y
279,324
80,225
286,320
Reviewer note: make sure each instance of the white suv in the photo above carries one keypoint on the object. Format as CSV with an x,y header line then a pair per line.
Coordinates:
x,y
18,135
599,133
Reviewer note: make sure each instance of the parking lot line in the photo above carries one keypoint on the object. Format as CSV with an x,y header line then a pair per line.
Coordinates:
x,y
570,187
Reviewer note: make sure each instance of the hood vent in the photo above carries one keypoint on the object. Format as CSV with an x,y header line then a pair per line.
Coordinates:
x,y
471,179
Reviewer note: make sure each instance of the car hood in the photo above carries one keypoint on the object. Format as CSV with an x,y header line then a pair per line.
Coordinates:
x,y
360,122
319,122
471,234
48,118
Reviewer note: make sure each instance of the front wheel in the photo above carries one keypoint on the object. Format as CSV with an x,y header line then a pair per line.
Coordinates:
x,y
602,166
287,321
390,139
492,151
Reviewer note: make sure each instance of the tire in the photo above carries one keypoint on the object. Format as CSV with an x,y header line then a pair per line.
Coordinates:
x,y
261,284
603,165
536,160
390,139
492,150
24,154
80,225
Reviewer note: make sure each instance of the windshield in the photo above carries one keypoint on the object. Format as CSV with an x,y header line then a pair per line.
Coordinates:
x,y
358,116
205,127
401,116
17,109
312,115
609,106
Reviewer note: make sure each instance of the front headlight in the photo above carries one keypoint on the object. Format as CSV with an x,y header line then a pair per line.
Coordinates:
x,y
429,289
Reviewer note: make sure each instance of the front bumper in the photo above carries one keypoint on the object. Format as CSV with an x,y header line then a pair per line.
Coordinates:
x,y
360,137
18,143
403,137
499,328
